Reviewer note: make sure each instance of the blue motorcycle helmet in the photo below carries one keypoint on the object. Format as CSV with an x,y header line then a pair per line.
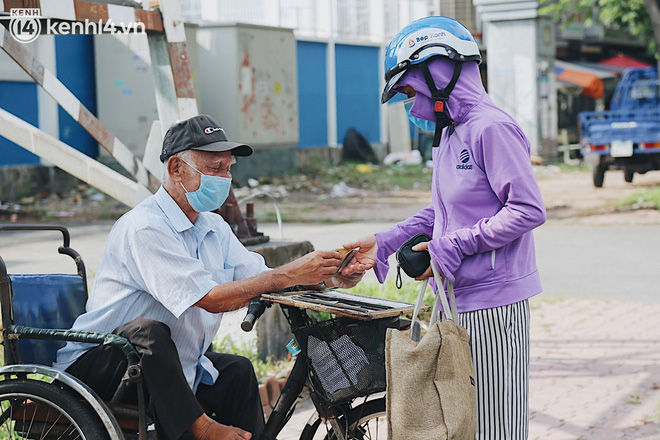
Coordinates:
x,y
421,40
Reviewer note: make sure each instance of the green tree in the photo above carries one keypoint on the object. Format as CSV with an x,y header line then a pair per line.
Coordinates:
x,y
640,17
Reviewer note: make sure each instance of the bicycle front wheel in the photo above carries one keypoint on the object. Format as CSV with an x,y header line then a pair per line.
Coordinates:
x,y
32,409
365,422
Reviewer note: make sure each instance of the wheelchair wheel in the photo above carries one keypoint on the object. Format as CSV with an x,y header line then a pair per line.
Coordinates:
x,y
365,422
31,409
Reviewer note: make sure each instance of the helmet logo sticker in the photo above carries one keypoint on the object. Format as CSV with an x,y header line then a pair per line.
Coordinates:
x,y
464,157
426,37
438,34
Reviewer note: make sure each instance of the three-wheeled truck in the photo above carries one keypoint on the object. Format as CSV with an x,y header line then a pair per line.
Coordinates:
x,y
627,136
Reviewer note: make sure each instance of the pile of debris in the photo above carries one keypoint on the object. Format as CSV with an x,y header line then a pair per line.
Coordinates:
x,y
82,203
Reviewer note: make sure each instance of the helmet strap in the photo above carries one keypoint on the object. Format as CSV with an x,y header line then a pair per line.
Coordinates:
x,y
440,98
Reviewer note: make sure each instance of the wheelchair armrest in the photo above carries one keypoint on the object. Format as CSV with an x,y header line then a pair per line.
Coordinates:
x,y
18,331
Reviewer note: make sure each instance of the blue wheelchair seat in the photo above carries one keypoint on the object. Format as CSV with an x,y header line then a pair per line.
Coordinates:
x,y
45,301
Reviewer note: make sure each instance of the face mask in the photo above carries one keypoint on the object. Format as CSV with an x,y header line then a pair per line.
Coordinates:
x,y
423,124
212,192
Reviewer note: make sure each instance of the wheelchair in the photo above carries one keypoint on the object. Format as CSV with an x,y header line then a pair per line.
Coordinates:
x,y
38,401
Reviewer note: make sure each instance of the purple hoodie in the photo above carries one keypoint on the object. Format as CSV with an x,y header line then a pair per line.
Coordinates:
x,y
485,199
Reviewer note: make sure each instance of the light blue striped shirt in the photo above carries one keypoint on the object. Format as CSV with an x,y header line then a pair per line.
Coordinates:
x,y
157,265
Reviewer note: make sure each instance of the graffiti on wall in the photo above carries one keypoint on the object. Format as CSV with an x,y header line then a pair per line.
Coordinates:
x,y
247,90
267,94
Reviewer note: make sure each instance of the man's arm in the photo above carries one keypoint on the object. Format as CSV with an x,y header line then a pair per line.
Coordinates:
x,y
306,270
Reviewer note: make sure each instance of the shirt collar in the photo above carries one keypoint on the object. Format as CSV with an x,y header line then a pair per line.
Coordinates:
x,y
203,223
173,212
177,217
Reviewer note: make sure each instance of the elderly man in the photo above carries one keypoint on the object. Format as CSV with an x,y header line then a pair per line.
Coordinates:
x,y
169,270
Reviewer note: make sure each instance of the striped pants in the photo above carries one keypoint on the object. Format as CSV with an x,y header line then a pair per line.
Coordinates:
x,y
499,339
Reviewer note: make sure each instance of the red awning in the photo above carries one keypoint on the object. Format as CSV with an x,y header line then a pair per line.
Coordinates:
x,y
622,61
592,86
589,79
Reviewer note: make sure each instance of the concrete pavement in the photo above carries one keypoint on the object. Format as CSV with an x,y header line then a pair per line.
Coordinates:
x,y
595,370
595,363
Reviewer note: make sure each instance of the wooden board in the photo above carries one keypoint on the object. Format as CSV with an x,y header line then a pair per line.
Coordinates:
x,y
342,303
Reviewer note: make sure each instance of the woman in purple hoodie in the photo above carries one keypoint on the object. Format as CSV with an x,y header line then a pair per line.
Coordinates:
x,y
485,204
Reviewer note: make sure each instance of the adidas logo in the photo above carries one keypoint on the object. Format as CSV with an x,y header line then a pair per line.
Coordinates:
x,y
464,157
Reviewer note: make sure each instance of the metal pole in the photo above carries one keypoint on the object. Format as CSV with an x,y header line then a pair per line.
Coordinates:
x,y
69,159
331,74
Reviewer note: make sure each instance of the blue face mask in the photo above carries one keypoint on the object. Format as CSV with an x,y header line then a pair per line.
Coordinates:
x,y
212,192
423,124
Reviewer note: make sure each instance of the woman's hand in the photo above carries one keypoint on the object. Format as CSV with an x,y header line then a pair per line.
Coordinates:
x,y
365,258
344,281
428,273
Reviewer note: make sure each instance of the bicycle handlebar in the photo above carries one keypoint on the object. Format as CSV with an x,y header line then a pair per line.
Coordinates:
x,y
255,309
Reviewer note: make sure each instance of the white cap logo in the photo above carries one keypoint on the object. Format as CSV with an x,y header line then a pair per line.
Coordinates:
x,y
209,130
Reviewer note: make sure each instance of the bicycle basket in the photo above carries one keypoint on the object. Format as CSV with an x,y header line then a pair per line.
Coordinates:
x,y
346,357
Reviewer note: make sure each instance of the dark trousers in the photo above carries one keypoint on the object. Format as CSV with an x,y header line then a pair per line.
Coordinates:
x,y
232,400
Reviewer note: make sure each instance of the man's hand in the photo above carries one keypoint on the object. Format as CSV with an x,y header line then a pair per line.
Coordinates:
x,y
311,268
365,258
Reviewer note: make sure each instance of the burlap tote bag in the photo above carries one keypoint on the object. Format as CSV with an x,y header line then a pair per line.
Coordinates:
x,y
430,383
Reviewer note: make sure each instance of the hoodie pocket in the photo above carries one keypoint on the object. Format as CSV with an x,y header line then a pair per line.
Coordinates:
x,y
475,269
492,259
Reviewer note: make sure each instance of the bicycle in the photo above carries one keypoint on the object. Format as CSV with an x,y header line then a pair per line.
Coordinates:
x,y
341,360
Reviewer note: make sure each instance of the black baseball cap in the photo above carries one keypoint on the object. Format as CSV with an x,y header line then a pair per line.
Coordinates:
x,y
201,133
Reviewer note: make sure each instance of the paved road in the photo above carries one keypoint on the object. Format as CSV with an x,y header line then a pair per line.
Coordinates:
x,y
606,262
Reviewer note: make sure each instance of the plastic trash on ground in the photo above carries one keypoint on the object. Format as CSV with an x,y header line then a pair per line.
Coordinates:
x,y
413,157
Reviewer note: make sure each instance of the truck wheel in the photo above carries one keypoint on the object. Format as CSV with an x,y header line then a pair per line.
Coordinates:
x,y
628,175
598,173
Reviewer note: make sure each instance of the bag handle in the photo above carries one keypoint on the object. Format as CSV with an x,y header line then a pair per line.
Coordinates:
x,y
415,332
449,307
